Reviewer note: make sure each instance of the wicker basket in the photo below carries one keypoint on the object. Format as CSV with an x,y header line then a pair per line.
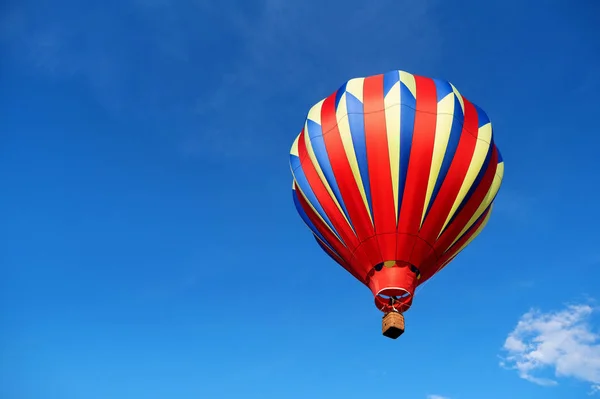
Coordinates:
x,y
392,325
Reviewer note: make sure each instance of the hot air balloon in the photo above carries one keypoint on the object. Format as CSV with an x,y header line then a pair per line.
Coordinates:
x,y
395,174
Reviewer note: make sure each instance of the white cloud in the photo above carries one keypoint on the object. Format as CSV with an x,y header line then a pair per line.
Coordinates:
x,y
436,397
562,342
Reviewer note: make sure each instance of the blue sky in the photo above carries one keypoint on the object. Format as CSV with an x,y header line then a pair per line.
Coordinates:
x,y
150,246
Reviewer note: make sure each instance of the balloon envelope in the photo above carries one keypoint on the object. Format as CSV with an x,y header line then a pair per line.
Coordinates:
x,y
395,174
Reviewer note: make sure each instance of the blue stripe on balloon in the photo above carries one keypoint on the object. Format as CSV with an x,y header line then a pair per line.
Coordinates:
x,y
308,192
356,121
407,125
389,80
315,134
454,139
307,220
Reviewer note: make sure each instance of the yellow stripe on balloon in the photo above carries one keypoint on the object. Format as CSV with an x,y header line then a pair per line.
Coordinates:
x,y
456,251
481,150
410,82
475,234
294,149
487,200
356,88
315,115
299,190
443,126
500,173
392,103
459,97
346,136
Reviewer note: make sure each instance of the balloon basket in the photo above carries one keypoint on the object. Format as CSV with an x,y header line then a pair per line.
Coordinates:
x,y
392,325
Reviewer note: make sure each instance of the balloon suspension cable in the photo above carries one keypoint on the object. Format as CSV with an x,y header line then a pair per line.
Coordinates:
x,y
393,299
420,287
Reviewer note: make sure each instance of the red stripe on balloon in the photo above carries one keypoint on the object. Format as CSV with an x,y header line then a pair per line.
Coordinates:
x,y
419,165
347,259
453,181
458,224
331,238
327,203
445,258
453,251
345,179
340,261
380,173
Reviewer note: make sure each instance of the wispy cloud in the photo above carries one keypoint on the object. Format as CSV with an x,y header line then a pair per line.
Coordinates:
x,y
216,73
524,284
561,341
377,372
293,56
437,397
518,205
77,48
